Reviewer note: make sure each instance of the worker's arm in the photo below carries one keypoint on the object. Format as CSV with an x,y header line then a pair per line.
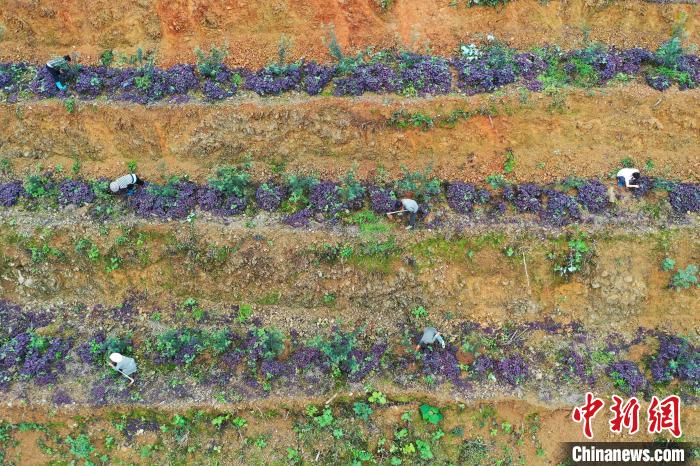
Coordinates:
x,y
438,337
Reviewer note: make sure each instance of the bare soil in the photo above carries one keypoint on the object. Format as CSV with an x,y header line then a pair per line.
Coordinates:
x,y
586,134
283,274
33,30
544,429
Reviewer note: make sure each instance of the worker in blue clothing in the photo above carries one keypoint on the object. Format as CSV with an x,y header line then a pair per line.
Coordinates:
x,y
57,67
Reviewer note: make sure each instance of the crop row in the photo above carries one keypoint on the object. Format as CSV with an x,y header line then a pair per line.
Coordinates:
x,y
348,431
302,198
240,351
477,69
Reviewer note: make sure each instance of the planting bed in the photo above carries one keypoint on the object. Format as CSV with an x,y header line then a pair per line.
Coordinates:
x,y
271,304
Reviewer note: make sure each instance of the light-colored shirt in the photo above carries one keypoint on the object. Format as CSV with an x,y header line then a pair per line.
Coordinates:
x,y
122,182
430,336
627,174
126,366
410,205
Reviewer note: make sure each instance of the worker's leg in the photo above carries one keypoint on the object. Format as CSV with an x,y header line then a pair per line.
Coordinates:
x,y
56,75
412,219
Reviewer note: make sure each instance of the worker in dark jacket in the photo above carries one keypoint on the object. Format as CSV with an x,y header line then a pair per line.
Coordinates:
x,y
57,67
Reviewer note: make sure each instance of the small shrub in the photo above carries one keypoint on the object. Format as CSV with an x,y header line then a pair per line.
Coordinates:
x,y
377,398
431,414
107,57
231,181
668,264
575,259
362,410
210,64
685,278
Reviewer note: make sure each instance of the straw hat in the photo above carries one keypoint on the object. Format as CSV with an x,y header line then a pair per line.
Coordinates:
x,y
116,357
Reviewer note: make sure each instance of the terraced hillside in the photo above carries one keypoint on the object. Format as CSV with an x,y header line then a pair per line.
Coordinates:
x,y
270,297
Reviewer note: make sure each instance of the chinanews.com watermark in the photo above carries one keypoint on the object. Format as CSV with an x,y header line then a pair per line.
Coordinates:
x,y
661,416
600,453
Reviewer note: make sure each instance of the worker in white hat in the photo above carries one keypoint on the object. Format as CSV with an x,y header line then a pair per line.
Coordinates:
x,y
125,183
125,366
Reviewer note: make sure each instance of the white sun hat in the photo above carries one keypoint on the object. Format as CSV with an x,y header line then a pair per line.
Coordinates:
x,y
116,357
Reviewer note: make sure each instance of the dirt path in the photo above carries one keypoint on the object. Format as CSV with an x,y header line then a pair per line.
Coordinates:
x,y
573,134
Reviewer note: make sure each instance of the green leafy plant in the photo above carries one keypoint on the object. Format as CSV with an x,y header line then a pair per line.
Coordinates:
x,y
377,398
509,165
431,414
38,186
5,166
668,264
219,420
338,349
299,187
107,57
69,104
351,188
574,259
113,264
419,313
362,410
421,184
210,64
325,418
270,340
244,313
402,119
424,449
685,278
41,254
329,298
496,181
231,180
80,446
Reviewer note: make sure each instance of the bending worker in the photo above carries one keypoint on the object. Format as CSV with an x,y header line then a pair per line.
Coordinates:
x,y
628,178
430,336
56,67
125,183
125,366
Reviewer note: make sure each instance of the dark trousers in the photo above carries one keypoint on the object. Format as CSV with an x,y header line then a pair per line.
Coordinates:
x,y
55,74
412,219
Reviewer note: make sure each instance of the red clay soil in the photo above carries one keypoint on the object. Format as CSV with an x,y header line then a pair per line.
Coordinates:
x,y
582,135
282,277
173,28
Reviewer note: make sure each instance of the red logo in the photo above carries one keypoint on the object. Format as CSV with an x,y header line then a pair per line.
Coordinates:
x,y
665,415
587,412
662,415
626,416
